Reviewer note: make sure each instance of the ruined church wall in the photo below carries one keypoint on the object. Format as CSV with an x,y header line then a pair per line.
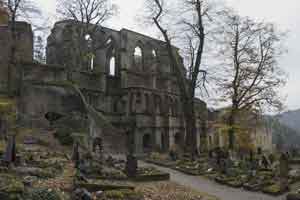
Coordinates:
x,y
4,56
24,53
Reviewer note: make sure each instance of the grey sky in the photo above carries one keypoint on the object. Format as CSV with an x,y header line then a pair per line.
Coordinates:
x,y
283,13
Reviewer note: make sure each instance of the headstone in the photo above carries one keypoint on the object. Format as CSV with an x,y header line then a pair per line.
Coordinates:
x,y
284,172
223,166
10,152
75,154
98,149
173,155
131,166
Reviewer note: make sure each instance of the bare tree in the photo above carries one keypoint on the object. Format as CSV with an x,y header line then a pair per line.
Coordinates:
x,y
250,73
192,26
89,15
39,49
18,9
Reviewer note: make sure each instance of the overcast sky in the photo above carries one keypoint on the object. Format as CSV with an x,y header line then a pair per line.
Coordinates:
x,y
283,13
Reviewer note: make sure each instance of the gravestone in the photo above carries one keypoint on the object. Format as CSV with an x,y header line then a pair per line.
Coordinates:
x,y
10,152
131,166
284,172
222,166
173,155
98,150
75,154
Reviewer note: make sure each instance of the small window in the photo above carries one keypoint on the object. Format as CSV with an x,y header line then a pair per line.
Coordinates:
x,y
112,66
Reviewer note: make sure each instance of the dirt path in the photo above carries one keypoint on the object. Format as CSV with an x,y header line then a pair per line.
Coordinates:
x,y
210,187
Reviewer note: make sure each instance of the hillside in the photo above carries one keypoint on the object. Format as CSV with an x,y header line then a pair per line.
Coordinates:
x,y
290,119
283,135
285,128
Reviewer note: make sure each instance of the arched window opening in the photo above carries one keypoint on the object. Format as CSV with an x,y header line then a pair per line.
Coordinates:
x,y
112,66
92,57
147,142
138,56
154,53
89,56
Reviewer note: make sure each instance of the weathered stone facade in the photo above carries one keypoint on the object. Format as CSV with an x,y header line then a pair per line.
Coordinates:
x,y
129,80
144,88
24,52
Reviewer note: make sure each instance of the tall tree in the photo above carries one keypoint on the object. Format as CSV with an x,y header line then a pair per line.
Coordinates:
x,y
192,26
89,15
251,76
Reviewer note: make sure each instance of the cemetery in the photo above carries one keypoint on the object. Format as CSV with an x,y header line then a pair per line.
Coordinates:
x,y
89,112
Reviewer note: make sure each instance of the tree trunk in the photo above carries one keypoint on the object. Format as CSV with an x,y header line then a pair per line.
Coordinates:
x,y
231,130
191,130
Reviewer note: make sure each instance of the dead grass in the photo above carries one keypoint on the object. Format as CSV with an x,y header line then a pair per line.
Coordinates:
x,y
171,191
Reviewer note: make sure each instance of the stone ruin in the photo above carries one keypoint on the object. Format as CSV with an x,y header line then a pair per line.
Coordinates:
x,y
128,81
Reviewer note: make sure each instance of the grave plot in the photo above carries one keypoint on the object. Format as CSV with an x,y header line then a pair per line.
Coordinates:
x,y
256,174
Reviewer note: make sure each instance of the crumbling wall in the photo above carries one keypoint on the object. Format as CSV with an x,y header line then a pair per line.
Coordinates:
x,y
142,83
4,56
24,53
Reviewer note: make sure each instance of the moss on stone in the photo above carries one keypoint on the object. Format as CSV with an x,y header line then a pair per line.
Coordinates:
x,y
273,189
10,184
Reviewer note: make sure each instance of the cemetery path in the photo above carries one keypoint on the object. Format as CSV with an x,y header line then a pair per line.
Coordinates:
x,y
204,185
